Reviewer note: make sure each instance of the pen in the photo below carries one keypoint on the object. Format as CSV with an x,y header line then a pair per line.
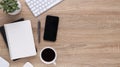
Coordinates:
x,y
39,25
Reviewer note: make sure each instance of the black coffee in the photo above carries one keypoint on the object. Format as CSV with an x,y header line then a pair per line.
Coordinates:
x,y
48,55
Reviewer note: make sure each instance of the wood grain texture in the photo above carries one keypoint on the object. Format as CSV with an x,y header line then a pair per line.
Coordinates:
x,y
88,35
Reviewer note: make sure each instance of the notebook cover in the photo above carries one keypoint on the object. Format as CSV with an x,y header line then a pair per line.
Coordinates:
x,y
21,43
2,30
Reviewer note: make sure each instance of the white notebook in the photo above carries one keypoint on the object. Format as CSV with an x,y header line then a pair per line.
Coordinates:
x,y
20,39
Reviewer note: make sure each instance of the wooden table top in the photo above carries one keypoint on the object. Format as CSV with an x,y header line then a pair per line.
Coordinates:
x,y
88,34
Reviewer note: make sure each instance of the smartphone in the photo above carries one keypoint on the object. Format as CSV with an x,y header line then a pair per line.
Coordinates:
x,y
51,28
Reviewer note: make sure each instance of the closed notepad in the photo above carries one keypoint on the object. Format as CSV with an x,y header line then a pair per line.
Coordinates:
x,y
20,39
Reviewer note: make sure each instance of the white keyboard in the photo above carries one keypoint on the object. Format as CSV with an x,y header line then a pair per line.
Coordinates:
x,y
39,6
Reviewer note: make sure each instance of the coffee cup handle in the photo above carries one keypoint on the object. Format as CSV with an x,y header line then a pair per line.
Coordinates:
x,y
54,63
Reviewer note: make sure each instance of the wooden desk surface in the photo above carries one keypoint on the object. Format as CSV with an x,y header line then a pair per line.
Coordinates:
x,y
88,35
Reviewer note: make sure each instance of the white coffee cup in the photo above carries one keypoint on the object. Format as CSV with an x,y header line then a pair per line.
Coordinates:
x,y
52,61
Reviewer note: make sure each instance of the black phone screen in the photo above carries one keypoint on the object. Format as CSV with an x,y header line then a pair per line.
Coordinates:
x,y
51,27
